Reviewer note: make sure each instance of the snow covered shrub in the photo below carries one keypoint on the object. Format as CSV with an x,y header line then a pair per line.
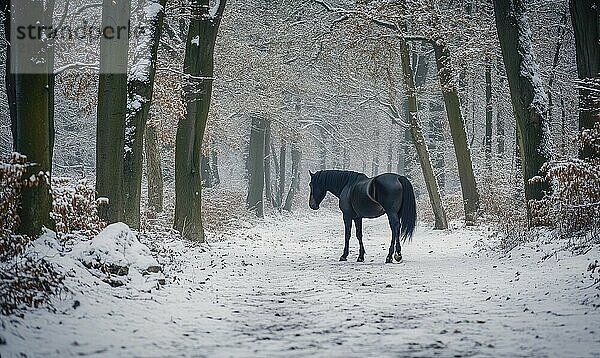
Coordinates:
x,y
11,181
27,281
574,205
74,207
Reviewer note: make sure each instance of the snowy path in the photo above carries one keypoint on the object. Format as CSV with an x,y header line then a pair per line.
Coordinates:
x,y
279,290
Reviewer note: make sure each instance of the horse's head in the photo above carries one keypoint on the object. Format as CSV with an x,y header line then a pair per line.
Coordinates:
x,y
317,192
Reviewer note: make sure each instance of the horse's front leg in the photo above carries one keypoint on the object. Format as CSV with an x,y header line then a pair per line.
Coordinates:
x,y
359,236
347,232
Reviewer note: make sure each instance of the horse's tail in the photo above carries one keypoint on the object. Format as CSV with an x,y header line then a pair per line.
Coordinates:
x,y
408,213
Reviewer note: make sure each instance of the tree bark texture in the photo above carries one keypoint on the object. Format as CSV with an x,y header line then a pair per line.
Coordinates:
x,y
254,200
198,69
281,179
9,76
441,221
153,170
488,115
111,112
267,159
500,133
295,186
214,164
32,121
457,131
140,90
527,94
586,24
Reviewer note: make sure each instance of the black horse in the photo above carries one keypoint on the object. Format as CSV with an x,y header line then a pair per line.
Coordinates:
x,y
364,197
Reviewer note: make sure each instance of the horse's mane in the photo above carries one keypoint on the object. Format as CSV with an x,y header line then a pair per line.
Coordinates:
x,y
336,180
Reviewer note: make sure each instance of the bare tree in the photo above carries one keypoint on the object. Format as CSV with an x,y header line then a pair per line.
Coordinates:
x,y
527,94
198,68
585,16
32,128
140,88
112,109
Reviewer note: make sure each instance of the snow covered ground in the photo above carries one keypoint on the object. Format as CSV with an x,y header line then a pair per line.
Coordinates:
x,y
278,290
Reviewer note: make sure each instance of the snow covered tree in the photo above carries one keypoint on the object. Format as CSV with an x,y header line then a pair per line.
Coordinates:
x,y
457,130
153,169
141,83
198,71
585,15
32,128
9,76
112,108
256,165
529,100
441,222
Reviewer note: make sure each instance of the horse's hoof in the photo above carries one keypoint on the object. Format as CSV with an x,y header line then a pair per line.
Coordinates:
x,y
398,257
388,260
343,258
360,259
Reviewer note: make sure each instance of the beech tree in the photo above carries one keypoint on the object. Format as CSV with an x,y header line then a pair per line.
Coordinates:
x,y
112,108
529,100
585,16
198,71
140,86
441,222
32,106
256,165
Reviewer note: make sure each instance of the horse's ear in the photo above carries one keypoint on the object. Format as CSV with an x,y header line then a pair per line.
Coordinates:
x,y
311,174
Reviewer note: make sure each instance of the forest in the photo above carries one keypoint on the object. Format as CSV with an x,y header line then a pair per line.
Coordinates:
x,y
161,163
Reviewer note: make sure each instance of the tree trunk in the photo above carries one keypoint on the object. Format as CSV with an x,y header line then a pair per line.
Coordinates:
x,y
276,172
32,120
112,109
281,180
256,176
198,67
141,85
49,12
457,130
527,94
267,160
436,141
214,163
295,186
9,76
205,171
153,170
500,133
441,221
488,116
585,16
390,157
322,150
561,36
375,150
400,165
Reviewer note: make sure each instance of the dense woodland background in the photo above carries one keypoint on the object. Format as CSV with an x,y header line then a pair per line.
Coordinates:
x,y
227,105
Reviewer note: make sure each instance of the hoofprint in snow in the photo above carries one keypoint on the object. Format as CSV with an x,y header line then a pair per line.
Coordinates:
x,y
277,289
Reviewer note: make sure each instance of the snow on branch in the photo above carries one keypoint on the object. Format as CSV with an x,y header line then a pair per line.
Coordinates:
x,y
216,10
77,65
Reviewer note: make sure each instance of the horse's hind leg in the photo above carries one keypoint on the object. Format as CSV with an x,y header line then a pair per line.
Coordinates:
x,y
359,236
347,233
395,226
398,254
